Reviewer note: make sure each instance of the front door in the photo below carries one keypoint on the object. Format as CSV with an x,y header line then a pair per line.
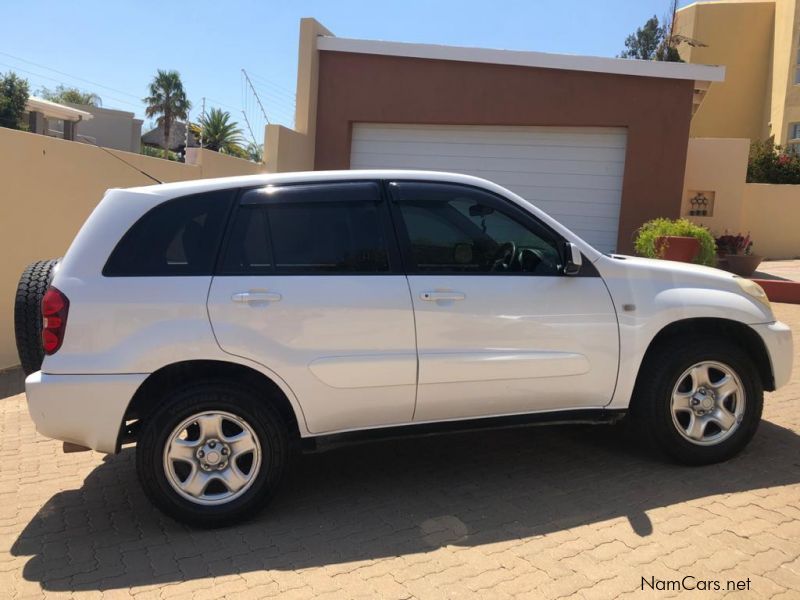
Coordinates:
x,y
310,286
500,329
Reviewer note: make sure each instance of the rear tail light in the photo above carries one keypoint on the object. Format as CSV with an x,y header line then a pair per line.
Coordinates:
x,y
55,307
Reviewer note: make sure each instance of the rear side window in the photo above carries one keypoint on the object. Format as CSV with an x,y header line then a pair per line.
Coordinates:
x,y
249,249
309,229
177,238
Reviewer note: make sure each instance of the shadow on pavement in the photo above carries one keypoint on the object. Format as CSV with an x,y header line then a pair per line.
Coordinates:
x,y
382,500
768,276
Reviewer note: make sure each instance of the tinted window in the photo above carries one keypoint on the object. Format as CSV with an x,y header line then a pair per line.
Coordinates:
x,y
324,228
248,249
455,229
178,237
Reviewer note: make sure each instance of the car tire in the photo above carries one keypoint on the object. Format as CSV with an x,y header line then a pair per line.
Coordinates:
x,y
218,414
31,288
686,383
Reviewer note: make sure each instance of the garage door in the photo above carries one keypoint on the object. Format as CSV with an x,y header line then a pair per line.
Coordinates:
x,y
572,173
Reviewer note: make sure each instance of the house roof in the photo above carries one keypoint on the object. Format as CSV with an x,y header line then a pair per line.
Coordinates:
x,y
99,110
717,2
177,137
53,110
545,60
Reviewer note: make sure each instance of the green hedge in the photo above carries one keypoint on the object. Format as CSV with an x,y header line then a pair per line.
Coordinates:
x,y
647,234
767,163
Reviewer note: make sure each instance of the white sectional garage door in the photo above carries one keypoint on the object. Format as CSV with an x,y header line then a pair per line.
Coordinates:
x,y
572,173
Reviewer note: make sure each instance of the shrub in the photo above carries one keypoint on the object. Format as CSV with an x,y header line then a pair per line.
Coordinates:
x,y
158,153
768,163
734,244
647,234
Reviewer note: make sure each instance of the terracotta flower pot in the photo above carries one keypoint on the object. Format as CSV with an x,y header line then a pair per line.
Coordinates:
x,y
683,249
743,265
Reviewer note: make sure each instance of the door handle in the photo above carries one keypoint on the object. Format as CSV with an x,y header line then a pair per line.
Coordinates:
x,y
439,295
253,297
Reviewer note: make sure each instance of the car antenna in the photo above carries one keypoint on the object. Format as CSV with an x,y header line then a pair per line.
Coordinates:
x,y
119,158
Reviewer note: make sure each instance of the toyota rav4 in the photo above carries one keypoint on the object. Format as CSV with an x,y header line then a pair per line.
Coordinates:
x,y
222,324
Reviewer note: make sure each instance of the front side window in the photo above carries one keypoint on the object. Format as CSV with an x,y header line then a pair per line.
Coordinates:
x,y
309,229
461,230
177,238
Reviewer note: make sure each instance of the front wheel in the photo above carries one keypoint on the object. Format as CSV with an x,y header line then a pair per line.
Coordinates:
x,y
212,455
698,400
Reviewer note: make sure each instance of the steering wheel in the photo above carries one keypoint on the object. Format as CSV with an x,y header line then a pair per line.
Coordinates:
x,y
504,256
530,259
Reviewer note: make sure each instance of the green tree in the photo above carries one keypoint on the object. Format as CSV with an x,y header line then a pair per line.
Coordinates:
x,y
645,42
255,152
655,41
14,94
220,133
70,95
167,101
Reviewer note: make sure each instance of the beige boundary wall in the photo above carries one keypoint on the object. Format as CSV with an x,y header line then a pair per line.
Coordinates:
x,y
717,167
293,149
772,215
49,187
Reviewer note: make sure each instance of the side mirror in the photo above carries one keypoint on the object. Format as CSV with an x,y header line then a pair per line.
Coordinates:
x,y
573,262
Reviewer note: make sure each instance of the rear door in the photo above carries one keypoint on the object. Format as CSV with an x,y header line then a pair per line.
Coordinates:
x,y
500,328
310,286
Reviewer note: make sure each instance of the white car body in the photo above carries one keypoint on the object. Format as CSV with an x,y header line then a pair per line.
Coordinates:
x,y
354,352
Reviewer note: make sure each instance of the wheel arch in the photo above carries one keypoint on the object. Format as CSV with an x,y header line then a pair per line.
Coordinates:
x,y
175,375
745,336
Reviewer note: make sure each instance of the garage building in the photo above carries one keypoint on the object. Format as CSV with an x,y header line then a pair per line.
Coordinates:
x,y
598,143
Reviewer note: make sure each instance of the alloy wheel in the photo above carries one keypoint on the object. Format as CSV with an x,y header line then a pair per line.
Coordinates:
x,y
708,403
212,457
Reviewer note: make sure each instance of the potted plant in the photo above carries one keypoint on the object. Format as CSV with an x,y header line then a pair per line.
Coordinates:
x,y
678,239
736,254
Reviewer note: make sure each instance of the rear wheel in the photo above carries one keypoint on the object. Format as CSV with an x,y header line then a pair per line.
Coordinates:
x,y
32,285
212,455
698,400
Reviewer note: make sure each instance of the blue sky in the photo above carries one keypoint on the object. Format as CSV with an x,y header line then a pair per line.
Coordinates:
x,y
114,48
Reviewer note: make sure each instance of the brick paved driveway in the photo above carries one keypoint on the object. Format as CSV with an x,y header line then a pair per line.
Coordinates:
x,y
540,513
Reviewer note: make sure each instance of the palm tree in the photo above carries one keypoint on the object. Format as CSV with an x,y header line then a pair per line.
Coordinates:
x,y
220,132
255,152
167,101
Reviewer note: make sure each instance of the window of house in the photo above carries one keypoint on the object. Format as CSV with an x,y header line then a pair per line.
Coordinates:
x,y
797,67
460,230
793,140
309,229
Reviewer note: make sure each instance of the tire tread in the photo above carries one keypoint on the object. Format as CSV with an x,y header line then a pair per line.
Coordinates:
x,y
31,288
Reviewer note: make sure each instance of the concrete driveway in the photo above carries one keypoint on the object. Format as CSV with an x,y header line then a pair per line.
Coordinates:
x,y
538,513
780,269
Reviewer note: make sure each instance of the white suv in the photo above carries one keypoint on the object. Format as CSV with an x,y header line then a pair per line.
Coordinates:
x,y
220,324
